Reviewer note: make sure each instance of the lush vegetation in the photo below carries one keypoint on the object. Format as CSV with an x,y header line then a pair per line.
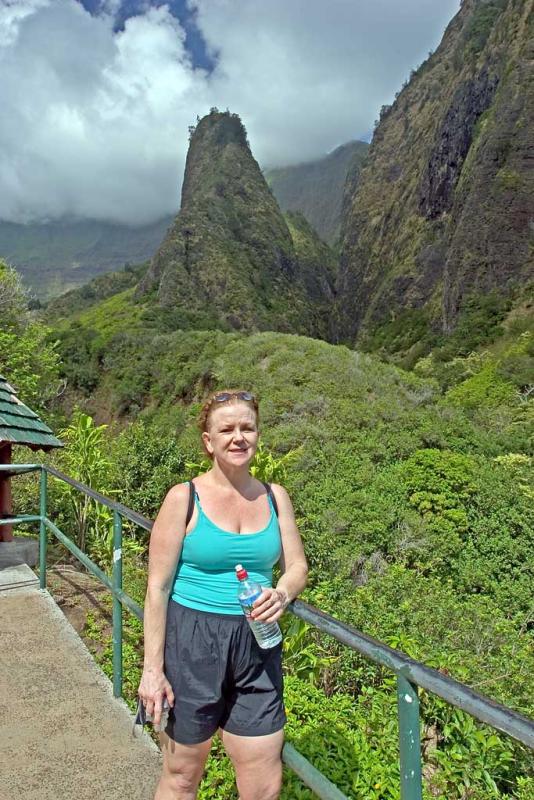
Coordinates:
x,y
409,335
28,357
414,497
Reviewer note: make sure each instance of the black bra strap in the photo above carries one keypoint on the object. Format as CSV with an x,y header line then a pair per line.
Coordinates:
x,y
191,504
271,495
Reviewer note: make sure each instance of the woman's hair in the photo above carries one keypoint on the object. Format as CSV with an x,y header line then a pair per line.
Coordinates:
x,y
211,404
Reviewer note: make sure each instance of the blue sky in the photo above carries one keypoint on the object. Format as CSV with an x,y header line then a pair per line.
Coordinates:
x,y
97,95
178,8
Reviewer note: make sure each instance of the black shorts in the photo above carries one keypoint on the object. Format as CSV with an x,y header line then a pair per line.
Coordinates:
x,y
220,677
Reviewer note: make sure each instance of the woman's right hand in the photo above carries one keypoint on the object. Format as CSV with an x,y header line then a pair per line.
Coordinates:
x,y
153,688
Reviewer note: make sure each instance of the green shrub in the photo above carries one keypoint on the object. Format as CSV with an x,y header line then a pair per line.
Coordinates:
x,y
517,365
147,462
479,323
30,362
80,354
483,390
84,460
401,333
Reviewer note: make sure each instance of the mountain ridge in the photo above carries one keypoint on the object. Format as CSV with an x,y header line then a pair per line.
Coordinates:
x,y
61,255
229,249
441,208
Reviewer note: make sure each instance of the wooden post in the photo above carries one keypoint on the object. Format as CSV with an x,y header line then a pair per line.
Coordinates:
x,y
6,504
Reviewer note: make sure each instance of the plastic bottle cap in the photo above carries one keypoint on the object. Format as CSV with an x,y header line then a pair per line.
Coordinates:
x,y
241,572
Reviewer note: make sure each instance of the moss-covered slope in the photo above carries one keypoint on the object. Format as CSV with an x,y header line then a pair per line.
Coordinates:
x,y
442,209
229,252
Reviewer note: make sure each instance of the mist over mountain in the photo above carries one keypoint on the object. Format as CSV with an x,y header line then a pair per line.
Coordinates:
x,y
97,95
58,256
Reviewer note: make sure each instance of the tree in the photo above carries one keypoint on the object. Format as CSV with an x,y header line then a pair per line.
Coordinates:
x,y
28,359
13,298
85,461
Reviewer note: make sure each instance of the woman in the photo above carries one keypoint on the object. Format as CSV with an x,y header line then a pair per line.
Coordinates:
x,y
200,653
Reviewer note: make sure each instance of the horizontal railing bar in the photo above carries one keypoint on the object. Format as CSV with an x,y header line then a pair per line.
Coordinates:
x,y
19,519
311,776
459,695
125,599
14,469
124,511
479,706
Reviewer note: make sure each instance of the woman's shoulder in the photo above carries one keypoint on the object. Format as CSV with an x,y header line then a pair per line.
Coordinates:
x,y
279,492
180,488
177,494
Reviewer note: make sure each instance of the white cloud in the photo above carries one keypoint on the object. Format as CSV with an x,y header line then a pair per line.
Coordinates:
x,y
12,12
307,75
94,121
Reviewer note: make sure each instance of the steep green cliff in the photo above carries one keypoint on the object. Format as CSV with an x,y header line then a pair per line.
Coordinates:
x,y
229,252
315,188
444,209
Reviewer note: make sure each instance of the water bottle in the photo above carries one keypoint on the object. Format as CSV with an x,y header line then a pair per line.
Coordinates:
x,y
267,634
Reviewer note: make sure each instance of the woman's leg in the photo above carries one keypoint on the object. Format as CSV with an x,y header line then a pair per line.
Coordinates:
x,y
257,763
183,765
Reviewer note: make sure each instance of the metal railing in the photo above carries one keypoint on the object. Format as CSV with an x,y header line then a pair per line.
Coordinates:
x,y
411,674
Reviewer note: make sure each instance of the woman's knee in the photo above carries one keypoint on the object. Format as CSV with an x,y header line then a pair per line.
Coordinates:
x,y
264,790
181,780
183,766
180,784
257,762
253,785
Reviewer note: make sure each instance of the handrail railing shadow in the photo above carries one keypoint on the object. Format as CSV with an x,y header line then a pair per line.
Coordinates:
x,y
411,674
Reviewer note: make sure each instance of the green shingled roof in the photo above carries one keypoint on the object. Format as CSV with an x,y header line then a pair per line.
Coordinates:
x,y
20,425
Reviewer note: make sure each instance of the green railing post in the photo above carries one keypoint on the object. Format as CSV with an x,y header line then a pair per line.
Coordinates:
x,y
42,528
409,740
117,605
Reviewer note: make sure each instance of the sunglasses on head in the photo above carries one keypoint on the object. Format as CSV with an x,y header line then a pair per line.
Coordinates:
x,y
224,396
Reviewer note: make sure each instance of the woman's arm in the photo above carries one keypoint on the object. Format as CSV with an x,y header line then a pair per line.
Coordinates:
x,y
165,546
273,602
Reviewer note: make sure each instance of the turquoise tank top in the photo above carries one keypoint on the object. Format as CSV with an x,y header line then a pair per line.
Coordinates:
x,y
205,576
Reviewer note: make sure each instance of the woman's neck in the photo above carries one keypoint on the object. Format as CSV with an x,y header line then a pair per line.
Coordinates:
x,y
238,478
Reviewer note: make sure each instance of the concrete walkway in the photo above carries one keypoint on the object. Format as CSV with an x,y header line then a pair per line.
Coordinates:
x,y
63,736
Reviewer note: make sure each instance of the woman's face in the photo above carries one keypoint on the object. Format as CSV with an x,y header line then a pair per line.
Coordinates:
x,y
232,435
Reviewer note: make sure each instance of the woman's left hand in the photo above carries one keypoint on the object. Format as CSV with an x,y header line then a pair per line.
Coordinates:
x,y
270,605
